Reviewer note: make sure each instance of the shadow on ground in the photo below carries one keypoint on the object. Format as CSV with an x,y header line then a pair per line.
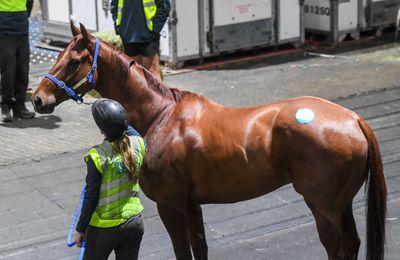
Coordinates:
x,y
45,122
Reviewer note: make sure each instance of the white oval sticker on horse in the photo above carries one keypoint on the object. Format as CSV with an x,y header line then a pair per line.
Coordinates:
x,y
305,115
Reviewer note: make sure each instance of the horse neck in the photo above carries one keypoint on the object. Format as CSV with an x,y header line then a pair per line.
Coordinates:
x,y
119,81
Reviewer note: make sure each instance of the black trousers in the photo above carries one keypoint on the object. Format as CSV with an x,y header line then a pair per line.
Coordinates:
x,y
124,239
14,68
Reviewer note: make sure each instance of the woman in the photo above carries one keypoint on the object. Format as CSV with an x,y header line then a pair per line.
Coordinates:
x,y
111,214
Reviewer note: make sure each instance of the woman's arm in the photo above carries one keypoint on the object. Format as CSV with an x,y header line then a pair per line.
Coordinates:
x,y
132,131
91,198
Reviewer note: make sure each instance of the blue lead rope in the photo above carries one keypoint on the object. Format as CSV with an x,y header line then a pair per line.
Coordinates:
x,y
70,242
83,248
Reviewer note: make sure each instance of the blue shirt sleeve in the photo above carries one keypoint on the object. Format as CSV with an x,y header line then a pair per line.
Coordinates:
x,y
91,197
132,131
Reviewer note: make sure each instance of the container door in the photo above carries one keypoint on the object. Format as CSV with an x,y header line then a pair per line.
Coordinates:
x,y
85,12
165,43
317,15
348,15
58,10
289,20
186,28
382,12
106,22
240,24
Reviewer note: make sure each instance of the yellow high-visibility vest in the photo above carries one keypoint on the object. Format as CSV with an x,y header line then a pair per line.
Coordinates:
x,y
12,5
149,8
119,196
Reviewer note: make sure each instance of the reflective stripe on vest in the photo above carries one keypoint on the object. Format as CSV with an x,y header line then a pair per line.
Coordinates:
x,y
149,9
119,13
118,198
12,5
120,195
114,184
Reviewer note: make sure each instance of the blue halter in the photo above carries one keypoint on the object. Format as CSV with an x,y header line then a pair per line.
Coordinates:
x,y
89,78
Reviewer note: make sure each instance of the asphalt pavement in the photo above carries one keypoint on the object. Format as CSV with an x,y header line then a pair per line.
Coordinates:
x,y
42,169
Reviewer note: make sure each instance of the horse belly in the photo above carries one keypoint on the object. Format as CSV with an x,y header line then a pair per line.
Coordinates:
x,y
236,179
234,161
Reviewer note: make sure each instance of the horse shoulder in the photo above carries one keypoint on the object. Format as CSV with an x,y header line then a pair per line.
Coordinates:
x,y
170,142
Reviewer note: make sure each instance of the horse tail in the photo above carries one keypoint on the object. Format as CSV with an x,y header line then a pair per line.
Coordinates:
x,y
375,187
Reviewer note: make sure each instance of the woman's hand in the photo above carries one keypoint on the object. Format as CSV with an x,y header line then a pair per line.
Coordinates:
x,y
79,238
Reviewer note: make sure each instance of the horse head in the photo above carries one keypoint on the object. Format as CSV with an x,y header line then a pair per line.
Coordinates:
x,y
73,64
116,76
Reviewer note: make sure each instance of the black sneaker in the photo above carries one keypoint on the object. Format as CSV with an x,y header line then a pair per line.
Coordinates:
x,y
5,113
23,112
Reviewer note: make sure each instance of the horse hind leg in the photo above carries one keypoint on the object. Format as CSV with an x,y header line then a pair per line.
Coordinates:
x,y
196,232
337,233
177,227
328,234
351,239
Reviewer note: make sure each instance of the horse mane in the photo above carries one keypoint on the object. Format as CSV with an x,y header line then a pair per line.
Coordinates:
x,y
154,83
120,56
158,86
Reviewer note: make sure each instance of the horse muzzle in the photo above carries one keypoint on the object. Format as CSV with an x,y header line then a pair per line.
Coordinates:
x,y
41,106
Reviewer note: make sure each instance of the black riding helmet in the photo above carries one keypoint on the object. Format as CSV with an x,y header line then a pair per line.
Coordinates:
x,y
110,116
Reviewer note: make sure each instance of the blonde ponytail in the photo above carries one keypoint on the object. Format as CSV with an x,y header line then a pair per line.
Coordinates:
x,y
123,147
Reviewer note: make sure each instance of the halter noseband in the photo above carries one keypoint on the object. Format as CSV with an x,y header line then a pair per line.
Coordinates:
x,y
89,78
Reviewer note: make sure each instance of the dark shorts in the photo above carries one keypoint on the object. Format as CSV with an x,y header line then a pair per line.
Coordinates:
x,y
146,49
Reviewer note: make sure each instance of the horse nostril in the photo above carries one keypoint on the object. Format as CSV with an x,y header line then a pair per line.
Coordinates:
x,y
38,102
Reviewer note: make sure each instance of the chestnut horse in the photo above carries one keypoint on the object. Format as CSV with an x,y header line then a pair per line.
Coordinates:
x,y
201,152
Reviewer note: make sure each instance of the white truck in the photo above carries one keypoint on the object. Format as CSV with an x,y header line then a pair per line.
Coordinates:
x,y
339,18
196,28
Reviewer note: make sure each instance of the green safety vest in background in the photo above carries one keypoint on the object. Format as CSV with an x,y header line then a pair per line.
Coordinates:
x,y
119,196
12,5
149,8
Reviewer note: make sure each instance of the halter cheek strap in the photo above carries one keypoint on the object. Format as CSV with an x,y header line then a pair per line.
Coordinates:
x,y
71,91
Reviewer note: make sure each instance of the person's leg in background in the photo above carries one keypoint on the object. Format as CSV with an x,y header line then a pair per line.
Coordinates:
x,y
152,63
8,66
151,57
22,78
130,49
146,54
138,59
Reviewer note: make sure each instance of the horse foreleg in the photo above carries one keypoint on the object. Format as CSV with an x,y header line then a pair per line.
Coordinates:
x,y
196,232
177,227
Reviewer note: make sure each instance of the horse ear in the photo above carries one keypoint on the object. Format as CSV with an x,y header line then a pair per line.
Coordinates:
x,y
75,31
87,37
